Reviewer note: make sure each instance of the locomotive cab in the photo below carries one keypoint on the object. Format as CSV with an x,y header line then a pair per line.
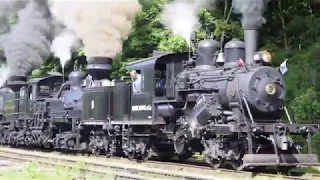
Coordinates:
x,y
141,103
34,95
158,87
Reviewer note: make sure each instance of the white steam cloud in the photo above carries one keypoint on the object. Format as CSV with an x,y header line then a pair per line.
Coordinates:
x,y
64,44
4,74
101,25
181,16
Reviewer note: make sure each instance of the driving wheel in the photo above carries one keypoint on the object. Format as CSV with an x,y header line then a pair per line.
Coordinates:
x,y
96,151
215,163
145,155
131,154
237,164
107,151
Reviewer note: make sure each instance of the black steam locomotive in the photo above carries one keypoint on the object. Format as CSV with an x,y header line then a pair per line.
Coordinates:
x,y
226,105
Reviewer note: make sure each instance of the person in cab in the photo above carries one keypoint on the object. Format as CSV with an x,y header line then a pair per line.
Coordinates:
x,y
136,82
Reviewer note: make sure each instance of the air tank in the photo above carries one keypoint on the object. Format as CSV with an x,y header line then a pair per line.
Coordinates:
x,y
234,50
99,67
206,52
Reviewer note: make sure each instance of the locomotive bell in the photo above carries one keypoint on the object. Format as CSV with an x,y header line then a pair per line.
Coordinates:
x,y
220,59
206,52
234,50
99,67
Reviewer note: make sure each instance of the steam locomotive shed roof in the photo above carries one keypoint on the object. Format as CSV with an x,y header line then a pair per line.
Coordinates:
x,y
47,78
152,61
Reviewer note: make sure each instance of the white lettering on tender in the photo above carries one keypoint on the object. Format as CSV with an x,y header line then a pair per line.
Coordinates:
x,y
92,104
142,108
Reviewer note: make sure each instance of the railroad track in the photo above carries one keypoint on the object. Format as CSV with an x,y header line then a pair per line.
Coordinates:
x,y
118,168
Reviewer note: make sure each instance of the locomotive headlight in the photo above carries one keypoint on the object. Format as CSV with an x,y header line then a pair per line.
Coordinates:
x,y
270,89
264,56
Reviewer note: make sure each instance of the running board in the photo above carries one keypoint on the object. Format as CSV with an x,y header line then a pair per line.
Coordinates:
x,y
281,160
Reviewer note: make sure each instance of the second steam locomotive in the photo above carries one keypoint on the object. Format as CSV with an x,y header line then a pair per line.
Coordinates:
x,y
226,105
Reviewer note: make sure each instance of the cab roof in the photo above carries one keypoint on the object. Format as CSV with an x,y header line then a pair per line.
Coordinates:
x,y
158,57
52,77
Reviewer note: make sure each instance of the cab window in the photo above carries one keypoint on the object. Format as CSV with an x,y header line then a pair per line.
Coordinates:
x,y
160,82
137,84
44,90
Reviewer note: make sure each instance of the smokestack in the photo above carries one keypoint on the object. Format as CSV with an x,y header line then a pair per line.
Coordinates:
x,y
252,18
16,82
250,40
99,67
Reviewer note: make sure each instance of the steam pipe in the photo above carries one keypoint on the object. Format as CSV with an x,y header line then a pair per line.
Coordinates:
x,y
250,40
63,86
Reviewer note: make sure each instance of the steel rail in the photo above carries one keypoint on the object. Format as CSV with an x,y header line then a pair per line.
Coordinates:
x,y
125,168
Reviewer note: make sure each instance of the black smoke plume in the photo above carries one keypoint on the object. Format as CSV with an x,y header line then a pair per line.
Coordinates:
x,y
252,12
8,8
27,45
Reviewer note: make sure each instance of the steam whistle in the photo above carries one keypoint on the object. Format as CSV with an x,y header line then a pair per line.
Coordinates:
x,y
192,54
193,40
193,37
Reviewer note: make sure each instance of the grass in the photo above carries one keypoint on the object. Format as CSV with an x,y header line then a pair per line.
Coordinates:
x,y
308,169
33,171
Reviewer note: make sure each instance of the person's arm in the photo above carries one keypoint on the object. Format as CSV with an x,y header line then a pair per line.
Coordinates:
x,y
139,85
134,87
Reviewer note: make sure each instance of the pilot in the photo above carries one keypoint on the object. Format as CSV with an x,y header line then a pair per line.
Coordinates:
x,y
136,82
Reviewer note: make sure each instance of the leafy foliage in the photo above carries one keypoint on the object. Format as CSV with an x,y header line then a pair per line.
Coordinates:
x,y
306,106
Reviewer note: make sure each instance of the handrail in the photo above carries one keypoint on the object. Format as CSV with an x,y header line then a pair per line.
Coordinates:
x,y
248,109
287,113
